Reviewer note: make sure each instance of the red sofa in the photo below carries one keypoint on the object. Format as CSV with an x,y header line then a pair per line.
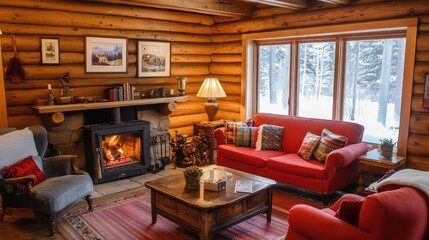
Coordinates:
x,y
395,214
339,170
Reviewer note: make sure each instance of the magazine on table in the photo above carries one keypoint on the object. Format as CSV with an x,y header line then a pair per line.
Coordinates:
x,y
243,186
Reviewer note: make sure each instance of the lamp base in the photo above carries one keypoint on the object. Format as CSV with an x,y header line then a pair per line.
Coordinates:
x,y
211,109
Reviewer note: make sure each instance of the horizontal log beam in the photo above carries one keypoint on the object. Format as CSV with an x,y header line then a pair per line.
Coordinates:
x,y
418,144
336,1
212,7
418,162
226,68
8,28
345,14
113,10
293,4
228,47
221,38
99,21
226,58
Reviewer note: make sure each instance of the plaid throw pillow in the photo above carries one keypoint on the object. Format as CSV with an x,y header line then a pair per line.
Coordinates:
x,y
270,137
24,167
328,143
308,146
231,130
246,136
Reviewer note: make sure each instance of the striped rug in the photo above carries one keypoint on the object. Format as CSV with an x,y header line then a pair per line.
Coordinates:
x,y
131,219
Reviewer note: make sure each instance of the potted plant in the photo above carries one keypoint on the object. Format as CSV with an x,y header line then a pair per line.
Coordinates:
x,y
192,176
386,147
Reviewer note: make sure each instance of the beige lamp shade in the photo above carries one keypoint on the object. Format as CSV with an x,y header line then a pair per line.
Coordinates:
x,y
211,89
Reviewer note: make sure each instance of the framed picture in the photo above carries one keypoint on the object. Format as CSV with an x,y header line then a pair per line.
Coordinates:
x,y
50,50
426,92
106,55
153,59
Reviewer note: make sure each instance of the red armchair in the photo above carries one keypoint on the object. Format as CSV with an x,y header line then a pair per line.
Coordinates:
x,y
399,214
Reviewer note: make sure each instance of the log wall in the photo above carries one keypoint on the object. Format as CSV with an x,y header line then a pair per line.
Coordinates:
x,y
227,49
71,21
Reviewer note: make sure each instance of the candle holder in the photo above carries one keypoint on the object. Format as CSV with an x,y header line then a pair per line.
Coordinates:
x,y
181,85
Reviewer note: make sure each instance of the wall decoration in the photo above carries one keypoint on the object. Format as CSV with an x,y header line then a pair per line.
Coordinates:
x,y
153,59
426,92
50,50
106,55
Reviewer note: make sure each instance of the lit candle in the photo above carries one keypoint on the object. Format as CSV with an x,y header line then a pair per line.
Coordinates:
x,y
171,92
49,86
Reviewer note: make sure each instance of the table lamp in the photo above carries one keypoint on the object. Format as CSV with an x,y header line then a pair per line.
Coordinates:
x,y
211,89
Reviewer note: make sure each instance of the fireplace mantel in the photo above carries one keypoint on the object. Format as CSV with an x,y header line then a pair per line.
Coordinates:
x,y
101,105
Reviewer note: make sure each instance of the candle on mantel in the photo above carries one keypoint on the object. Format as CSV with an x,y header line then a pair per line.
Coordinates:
x,y
171,92
49,86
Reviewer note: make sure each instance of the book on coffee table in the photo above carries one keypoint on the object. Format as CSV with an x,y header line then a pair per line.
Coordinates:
x,y
243,186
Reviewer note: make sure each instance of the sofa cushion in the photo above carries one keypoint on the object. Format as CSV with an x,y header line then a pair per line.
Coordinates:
x,y
56,193
231,130
308,146
246,136
294,164
22,168
270,137
328,143
247,155
17,145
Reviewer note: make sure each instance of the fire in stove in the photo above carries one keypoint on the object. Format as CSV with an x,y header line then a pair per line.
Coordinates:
x,y
121,149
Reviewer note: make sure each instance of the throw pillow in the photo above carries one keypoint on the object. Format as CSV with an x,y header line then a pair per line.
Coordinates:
x,y
328,143
270,137
349,211
231,129
308,146
246,136
24,167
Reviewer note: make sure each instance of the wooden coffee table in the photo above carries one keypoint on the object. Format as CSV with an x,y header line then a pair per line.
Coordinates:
x,y
208,212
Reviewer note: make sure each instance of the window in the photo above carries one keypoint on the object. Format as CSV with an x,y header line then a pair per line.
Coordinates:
x,y
273,75
316,68
351,72
373,86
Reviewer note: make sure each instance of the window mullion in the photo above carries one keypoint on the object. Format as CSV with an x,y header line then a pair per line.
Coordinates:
x,y
340,63
293,97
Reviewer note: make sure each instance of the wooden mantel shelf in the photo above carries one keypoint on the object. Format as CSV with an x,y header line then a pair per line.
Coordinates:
x,y
100,105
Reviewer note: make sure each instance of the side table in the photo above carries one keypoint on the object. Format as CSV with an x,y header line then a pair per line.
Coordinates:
x,y
208,128
373,166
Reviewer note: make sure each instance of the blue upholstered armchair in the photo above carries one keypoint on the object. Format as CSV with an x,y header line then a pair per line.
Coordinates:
x,y
64,185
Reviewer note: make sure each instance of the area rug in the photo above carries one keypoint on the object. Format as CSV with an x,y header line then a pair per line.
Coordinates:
x,y
130,218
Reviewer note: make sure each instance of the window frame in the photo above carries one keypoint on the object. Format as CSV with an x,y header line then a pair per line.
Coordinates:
x,y
341,33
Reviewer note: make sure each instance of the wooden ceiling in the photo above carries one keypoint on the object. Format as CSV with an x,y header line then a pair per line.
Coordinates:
x,y
229,8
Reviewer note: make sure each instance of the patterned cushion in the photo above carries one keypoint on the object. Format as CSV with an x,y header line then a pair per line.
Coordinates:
x,y
328,143
308,146
246,136
270,137
24,167
231,129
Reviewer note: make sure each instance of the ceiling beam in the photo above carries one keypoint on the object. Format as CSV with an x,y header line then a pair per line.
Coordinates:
x,y
293,4
336,1
227,8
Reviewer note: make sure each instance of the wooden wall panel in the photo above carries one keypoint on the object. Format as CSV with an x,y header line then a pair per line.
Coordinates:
x,y
28,20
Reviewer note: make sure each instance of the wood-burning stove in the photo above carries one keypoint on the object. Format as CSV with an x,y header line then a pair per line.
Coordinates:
x,y
114,151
